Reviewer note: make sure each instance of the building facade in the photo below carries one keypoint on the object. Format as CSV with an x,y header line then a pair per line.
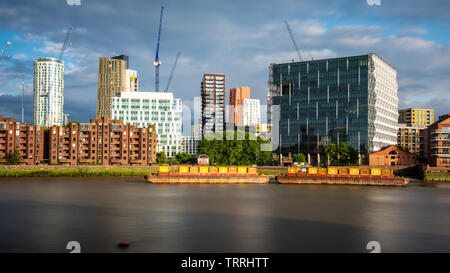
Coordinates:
x,y
438,142
23,137
112,79
189,144
101,141
196,130
131,81
145,109
236,103
213,103
416,116
411,138
392,156
251,112
48,92
349,99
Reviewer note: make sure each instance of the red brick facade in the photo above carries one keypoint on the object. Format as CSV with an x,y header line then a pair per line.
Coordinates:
x,y
437,148
392,156
101,141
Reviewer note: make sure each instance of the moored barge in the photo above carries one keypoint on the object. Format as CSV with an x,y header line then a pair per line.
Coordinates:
x,y
342,176
207,175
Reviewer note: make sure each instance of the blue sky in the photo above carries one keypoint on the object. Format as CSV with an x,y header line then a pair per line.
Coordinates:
x,y
238,38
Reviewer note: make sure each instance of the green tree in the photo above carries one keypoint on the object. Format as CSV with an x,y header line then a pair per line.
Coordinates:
x,y
14,157
183,157
234,148
299,158
341,154
161,158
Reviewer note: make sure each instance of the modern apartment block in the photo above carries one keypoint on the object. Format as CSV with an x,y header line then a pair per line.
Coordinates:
x,y
23,137
411,138
213,103
416,116
251,112
48,92
438,142
101,141
196,130
113,77
131,79
349,99
144,109
189,144
236,104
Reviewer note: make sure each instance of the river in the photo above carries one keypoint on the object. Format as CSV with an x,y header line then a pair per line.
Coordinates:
x,y
44,214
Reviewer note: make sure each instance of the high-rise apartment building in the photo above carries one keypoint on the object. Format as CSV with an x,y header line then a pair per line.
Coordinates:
x,y
145,109
236,103
112,79
196,130
411,138
349,99
213,103
131,81
48,92
416,116
251,112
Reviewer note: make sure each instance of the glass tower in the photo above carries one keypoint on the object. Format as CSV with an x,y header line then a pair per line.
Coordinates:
x,y
349,99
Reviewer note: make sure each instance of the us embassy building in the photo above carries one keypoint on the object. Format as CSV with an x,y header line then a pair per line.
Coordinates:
x,y
349,99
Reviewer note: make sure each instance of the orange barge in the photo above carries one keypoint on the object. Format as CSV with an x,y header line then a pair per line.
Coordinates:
x,y
207,175
342,176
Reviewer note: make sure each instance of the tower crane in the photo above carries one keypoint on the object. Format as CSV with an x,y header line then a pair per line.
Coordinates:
x,y
293,41
61,54
157,62
4,50
172,72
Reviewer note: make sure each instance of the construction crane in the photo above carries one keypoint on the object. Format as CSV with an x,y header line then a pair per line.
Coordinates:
x,y
157,62
293,40
4,50
61,54
171,73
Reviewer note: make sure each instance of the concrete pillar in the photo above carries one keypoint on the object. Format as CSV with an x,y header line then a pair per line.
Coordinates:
x,y
309,158
318,159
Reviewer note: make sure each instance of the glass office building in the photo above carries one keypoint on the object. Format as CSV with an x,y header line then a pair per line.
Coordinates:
x,y
349,99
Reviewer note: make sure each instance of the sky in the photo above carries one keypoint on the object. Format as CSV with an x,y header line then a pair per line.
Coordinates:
x,y
238,38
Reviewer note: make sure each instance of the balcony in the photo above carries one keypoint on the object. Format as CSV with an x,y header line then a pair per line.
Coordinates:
x,y
440,139
440,132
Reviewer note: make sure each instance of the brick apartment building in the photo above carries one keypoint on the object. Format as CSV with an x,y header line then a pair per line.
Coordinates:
x,y
101,141
437,142
25,138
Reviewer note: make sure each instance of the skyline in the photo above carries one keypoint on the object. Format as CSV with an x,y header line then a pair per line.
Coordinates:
x,y
241,47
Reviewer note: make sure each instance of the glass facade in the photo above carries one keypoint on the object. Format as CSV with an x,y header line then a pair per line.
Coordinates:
x,y
334,100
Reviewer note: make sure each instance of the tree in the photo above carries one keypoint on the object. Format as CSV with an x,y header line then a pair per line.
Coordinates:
x,y
299,158
183,157
341,154
161,158
14,157
234,148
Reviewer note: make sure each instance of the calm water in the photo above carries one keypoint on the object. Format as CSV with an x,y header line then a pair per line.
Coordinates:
x,y
43,214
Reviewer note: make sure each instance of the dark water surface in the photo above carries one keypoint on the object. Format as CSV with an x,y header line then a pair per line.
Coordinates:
x,y
43,214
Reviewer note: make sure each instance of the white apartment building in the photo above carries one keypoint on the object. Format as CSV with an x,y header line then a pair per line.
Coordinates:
x,y
131,80
196,130
48,92
252,112
189,144
146,108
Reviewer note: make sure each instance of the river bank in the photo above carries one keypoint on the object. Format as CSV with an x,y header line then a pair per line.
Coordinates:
x,y
94,170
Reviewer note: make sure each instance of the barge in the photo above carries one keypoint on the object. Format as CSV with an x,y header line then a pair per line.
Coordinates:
x,y
342,176
208,175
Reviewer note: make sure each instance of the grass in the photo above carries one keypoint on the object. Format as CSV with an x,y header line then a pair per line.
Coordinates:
x,y
442,177
73,172
272,172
